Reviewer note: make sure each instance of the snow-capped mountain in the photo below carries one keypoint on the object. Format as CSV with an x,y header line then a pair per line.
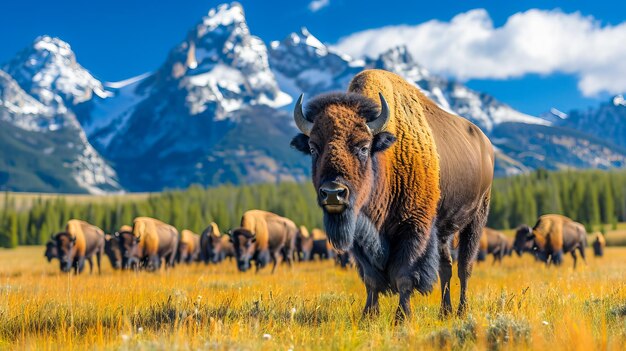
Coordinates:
x,y
212,81
218,110
606,121
38,89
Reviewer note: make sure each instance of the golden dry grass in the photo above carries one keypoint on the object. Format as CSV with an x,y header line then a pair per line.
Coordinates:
x,y
519,305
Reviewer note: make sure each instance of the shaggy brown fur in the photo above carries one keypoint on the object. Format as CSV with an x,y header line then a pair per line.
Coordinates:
x,y
78,243
157,241
188,247
598,245
428,172
553,235
263,236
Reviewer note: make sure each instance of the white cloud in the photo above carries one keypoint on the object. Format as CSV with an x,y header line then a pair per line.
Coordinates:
x,y
317,5
535,41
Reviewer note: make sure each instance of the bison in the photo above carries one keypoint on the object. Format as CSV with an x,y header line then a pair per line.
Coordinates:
x,y
215,247
51,250
150,243
79,242
396,176
551,237
321,246
189,247
598,245
112,246
492,242
263,237
304,244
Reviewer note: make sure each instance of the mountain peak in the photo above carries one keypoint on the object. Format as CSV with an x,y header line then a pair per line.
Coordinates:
x,y
619,100
48,71
223,15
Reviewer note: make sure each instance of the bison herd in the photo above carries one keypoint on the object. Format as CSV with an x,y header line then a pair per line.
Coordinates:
x,y
404,187
150,244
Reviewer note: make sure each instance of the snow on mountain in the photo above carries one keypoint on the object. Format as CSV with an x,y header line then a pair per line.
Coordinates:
x,y
221,64
49,72
39,90
302,64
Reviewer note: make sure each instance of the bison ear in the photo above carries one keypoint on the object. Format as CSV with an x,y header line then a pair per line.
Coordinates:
x,y
382,141
301,143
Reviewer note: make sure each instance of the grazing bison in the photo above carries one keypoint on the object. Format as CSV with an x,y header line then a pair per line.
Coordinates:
x,y
150,243
51,250
321,246
551,237
395,182
492,242
79,242
112,246
215,247
263,236
598,245
304,244
189,246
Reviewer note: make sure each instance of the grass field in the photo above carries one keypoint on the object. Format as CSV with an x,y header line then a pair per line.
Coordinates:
x,y
316,306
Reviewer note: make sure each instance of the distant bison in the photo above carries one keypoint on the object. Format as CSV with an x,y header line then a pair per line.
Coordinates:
x,y
112,246
51,250
189,246
215,247
304,244
263,237
151,242
598,245
396,177
492,242
551,237
79,242
321,247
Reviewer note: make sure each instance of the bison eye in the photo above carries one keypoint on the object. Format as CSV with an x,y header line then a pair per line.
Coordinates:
x,y
363,152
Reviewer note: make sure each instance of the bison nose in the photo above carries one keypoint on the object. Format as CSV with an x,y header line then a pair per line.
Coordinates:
x,y
334,196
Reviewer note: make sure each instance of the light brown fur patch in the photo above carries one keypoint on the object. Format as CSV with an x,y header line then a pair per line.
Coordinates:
x,y
412,163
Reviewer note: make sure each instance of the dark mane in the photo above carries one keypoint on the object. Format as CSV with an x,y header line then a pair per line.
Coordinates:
x,y
363,105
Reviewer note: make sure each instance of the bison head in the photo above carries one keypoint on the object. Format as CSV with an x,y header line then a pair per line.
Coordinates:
x,y
112,250
344,134
51,251
244,243
129,249
523,239
66,250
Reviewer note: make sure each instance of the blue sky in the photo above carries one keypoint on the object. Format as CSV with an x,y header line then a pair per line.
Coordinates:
x,y
118,39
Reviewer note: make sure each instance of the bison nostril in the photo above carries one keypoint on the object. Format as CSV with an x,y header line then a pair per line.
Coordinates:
x,y
343,193
323,194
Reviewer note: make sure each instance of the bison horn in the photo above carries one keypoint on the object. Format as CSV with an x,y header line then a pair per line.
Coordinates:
x,y
303,124
380,123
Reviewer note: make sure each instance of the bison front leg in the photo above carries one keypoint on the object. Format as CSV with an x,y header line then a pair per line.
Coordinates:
x,y
371,304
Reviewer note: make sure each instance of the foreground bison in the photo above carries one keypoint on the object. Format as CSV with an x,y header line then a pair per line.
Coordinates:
x,y
598,245
79,242
150,243
395,181
215,247
551,237
263,236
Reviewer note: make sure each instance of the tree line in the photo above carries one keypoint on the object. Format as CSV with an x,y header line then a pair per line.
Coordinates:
x,y
594,198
